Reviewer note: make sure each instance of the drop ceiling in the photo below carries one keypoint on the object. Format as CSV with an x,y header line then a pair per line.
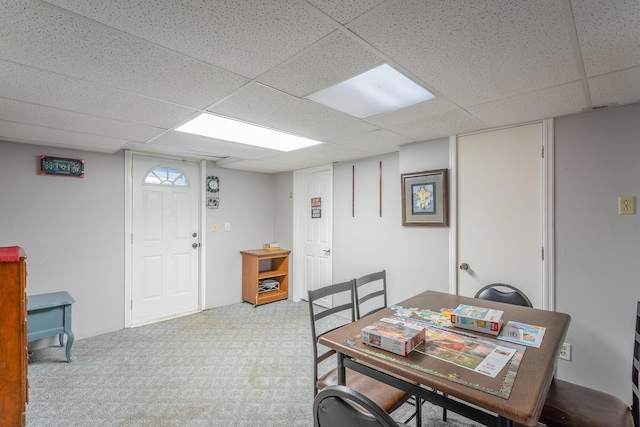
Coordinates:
x,y
109,75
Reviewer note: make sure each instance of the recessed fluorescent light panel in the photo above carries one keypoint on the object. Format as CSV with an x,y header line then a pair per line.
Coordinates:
x,y
244,133
377,91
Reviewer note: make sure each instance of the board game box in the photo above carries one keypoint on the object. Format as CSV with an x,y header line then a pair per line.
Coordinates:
x,y
477,318
394,335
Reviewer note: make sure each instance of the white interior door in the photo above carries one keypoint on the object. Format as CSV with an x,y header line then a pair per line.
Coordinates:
x,y
165,238
500,210
313,229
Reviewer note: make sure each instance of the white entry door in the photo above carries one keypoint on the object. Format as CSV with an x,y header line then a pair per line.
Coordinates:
x,y
165,238
313,229
500,210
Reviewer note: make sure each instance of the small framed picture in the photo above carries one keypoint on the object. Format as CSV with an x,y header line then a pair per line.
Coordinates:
x,y
424,198
59,166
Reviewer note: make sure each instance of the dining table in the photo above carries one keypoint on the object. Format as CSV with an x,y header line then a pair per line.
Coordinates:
x,y
515,395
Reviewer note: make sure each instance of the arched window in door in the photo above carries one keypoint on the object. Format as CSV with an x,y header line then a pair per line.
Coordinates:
x,y
166,175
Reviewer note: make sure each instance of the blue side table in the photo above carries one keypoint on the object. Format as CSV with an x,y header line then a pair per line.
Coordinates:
x,y
49,315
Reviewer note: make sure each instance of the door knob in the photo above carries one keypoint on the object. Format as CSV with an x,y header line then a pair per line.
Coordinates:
x,y
326,251
194,235
464,266
195,245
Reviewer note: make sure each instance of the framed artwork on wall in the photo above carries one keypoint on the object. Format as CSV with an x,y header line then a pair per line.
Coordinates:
x,y
59,166
425,198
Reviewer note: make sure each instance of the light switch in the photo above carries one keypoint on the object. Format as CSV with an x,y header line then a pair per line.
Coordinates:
x,y
227,226
215,227
626,205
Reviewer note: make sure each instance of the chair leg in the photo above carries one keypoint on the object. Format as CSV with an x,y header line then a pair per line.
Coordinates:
x,y
417,414
444,411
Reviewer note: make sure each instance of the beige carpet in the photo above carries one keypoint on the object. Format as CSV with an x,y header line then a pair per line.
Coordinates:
x,y
232,366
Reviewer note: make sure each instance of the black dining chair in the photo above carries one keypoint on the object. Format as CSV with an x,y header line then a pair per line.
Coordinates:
x,y
513,296
324,320
568,404
340,406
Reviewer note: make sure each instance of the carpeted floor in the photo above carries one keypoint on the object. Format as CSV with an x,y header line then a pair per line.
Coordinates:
x,y
231,366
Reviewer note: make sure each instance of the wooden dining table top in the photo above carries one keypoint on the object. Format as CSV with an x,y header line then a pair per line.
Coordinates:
x,y
534,375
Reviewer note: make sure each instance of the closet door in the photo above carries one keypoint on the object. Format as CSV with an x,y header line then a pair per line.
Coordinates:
x,y
500,210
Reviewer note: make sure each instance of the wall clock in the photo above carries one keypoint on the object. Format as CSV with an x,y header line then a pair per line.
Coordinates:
x,y
213,184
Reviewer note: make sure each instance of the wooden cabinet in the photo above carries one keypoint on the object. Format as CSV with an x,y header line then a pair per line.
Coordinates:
x,y
259,269
14,357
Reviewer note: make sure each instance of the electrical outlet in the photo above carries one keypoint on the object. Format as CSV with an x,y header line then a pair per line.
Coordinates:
x,y
215,227
626,205
565,351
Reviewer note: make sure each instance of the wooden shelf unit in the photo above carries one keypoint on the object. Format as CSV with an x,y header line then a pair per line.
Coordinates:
x,y
260,264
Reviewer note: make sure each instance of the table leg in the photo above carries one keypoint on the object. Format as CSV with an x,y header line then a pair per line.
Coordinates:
x,y
68,331
504,422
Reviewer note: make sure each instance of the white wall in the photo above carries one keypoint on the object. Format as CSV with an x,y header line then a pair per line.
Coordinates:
x,y
72,230
597,250
363,241
247,202
416,258
424,250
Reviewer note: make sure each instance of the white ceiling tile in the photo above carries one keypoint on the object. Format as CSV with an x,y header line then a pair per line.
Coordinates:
x,y
345,11
609,34
247,37
256,166
553,102
419,111
170,151
474,51
447,124
318,154
376,142
54,90
210,146
40,135
332,60
618,88
265,106
49,39
31,114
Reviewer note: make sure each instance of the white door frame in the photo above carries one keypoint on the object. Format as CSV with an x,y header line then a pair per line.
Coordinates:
x,y
548,218
128,230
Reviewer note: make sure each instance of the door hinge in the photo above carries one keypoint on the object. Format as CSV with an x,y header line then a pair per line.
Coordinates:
x,y
542,149
542,253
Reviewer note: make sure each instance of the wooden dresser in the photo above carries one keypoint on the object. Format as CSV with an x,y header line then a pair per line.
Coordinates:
x,y
14,357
